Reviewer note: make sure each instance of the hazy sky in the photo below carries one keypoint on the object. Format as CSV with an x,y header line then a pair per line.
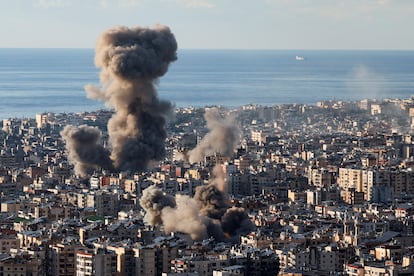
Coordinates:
x,y
236,24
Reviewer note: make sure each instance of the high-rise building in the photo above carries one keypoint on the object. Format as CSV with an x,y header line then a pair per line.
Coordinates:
x,y
98,261
41,120
106,203
62,260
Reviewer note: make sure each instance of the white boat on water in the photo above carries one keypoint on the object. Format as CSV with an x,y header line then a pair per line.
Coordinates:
x,y
300,58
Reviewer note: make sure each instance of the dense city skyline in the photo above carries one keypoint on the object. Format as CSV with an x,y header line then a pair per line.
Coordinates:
x,y
332,196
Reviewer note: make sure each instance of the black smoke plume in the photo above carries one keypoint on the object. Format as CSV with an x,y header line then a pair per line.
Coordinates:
x,y
236,222
131,60
213,198
85,152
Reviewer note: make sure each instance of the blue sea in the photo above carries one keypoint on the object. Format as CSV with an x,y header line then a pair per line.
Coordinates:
x,y
52,80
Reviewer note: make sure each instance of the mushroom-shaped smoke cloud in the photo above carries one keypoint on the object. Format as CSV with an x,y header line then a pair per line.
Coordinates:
x,y
131,60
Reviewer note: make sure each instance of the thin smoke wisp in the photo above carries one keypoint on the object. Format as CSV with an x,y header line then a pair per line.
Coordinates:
x,y
222,137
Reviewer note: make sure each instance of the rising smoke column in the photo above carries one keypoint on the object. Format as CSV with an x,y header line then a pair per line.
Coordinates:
x,y
223,222
85,152
179,213
222,137
153,201
131,61
213,197
185,218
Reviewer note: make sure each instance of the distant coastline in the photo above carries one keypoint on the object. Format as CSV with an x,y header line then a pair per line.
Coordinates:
x,y
51,80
